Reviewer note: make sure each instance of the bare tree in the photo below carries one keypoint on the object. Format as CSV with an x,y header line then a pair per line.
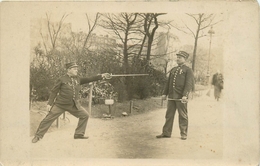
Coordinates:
x,y
203,21
150,19
51,33
126,27
54,30
90,29
58,46
123,25
79,42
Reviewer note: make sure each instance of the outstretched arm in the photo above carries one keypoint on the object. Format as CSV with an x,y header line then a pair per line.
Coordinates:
x,y
95,78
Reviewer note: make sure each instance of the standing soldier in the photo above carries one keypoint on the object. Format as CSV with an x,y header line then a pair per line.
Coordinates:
x,y
65,97
180,84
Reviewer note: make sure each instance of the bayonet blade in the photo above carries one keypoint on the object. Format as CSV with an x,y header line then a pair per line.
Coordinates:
x,y
128,75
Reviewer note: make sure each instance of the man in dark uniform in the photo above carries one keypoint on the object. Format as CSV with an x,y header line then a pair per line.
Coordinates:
x,y
180,84
65,97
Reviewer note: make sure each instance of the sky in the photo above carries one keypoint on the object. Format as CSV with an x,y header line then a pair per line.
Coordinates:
x,y
79,23
78,20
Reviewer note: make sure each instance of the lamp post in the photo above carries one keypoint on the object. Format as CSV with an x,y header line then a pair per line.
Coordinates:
x,y
211,32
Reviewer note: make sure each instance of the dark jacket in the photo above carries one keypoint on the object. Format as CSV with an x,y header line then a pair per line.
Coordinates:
x,y
180,82
65,92
217,80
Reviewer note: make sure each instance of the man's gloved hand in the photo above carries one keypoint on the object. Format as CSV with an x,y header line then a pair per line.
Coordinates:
x,y
106,76
163,97
184,99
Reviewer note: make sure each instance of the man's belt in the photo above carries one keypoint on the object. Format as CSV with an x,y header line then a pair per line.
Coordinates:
x,y
156,98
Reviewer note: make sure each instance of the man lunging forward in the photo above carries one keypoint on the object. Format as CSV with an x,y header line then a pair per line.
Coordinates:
x,y
65,97
180,83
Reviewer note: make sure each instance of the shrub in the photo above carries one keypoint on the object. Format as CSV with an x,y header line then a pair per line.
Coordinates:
x,y
41,82
147,86
101,91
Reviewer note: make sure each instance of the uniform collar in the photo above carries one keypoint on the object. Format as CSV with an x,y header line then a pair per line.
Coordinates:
x,y
181,65
71,76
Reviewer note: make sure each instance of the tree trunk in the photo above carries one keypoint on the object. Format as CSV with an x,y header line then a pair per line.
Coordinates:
x,y
194,54
126,67
195,45
149,47
150,38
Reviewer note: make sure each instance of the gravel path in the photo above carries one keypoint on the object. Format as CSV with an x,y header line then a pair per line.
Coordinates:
x,y
134,136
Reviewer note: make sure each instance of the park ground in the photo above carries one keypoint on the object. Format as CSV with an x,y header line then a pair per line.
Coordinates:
x,y
133,136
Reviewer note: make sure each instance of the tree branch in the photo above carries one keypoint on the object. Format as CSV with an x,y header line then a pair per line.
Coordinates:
x,y
91,29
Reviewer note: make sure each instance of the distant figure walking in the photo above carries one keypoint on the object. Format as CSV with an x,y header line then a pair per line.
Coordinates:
x,y
217,82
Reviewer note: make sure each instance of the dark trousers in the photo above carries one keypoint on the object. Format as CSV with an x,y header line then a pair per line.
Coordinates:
x,y
217,92
183,117
55,112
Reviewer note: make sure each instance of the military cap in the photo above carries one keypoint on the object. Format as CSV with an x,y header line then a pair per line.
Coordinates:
x,y
183,53
71,64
